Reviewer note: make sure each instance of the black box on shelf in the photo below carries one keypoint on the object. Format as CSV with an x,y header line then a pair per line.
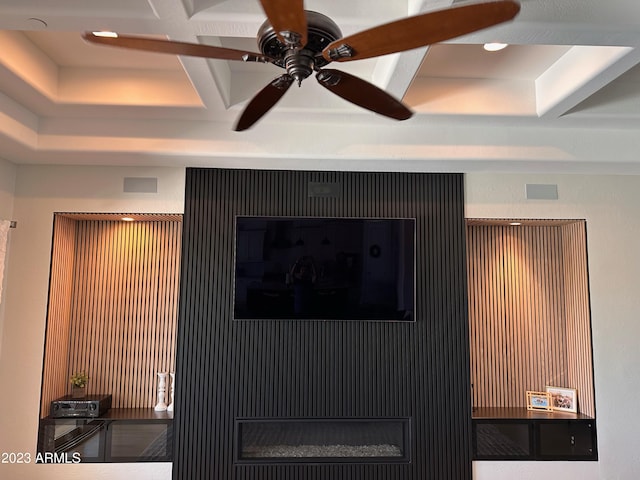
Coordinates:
x,y
90,406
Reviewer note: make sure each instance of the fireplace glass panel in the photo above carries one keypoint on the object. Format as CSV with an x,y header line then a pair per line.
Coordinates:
x,y
323,440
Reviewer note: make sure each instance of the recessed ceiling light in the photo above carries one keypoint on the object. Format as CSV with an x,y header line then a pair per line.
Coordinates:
x,y
494,47
105,34
127,219
515,223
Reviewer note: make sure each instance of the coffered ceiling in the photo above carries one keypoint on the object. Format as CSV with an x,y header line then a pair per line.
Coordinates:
x,y
563,97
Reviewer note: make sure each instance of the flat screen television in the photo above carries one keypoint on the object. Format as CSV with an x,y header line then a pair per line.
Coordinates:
x,y
324,268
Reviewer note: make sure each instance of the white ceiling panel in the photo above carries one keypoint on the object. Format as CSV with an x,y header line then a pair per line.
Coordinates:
x,y
547,104
68,49
43,8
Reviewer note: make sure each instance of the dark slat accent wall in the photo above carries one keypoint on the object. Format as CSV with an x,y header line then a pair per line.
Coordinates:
x,y
528,312
228,369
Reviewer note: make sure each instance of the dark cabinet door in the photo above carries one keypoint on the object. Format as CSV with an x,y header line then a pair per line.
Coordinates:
x,y
495,440
569,440
139,442
71,440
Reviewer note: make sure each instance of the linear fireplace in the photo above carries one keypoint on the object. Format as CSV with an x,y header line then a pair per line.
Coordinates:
x,y
324,440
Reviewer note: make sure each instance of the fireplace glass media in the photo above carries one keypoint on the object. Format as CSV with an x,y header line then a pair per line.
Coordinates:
x,y
350,440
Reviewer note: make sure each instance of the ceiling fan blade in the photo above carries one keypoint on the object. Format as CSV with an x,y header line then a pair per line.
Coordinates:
x,y
176,48
420,30
264,100
362,93
288,19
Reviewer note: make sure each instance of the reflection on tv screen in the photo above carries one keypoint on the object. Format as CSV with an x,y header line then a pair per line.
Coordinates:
x,y
311,268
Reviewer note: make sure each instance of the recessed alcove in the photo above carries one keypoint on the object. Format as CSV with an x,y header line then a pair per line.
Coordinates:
x,y
112,313
529,328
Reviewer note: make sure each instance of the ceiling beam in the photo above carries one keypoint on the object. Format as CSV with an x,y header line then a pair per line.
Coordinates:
x,y
196,6
210,79
395,73
578,74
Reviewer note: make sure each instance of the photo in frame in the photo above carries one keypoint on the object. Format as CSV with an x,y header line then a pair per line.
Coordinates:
x,y
563,399
539,401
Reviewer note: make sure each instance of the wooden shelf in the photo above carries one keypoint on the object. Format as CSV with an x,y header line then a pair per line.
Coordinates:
x,y
521,413
136,414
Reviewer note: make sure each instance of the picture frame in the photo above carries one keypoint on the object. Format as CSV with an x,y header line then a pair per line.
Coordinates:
x,y
539,401
563,399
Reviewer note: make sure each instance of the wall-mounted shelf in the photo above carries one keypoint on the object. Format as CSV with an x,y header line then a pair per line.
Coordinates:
x,y
521,434
120,435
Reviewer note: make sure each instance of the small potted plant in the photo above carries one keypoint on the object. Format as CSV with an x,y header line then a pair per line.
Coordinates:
x,y
78,384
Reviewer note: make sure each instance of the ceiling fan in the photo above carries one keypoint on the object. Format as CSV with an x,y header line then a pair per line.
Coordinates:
x,y
303,42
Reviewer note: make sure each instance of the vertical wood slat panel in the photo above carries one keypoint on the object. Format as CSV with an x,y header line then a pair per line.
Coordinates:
x,y
55,382
123,321
528,312
578,314
232,369
513,348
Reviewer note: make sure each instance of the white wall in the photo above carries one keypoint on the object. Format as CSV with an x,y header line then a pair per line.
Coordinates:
x,y
611,207
39,192
7,187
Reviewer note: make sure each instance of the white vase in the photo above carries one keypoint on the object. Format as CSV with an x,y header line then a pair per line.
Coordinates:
x,y
161,406
172,390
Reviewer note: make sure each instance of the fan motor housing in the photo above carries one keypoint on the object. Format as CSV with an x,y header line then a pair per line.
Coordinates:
x,y
321,31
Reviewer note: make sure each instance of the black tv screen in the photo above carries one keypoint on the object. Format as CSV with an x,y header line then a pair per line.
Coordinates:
x,y
311,268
